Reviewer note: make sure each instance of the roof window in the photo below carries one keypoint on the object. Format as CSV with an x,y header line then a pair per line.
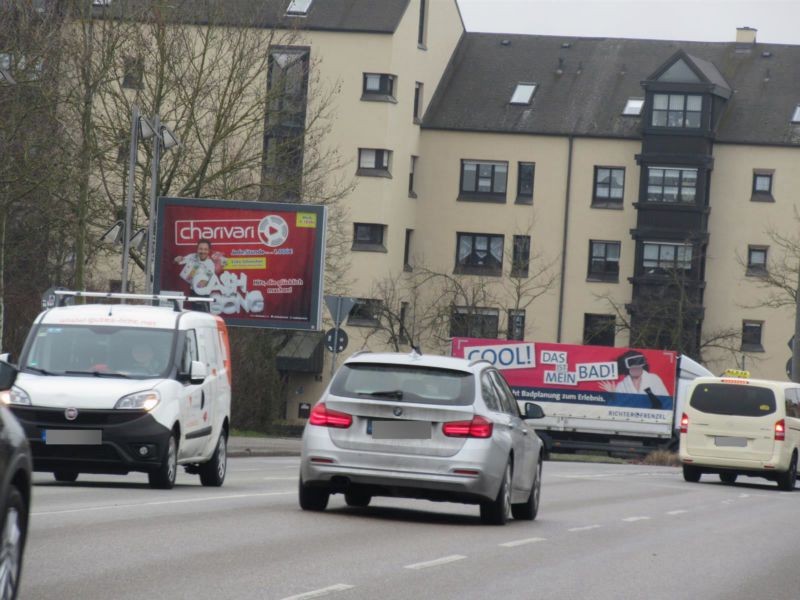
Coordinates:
x,y
298,8
633,107
796,114
523,93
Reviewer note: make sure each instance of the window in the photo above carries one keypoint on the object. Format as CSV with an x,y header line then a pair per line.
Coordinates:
x,y
757,260
525,172
633,107
598,330
660,257
762,186
490,394
609,186
470,321
672,185
516,324
796,114
751,336
407,251
287,85
483,180
521,256
603,261
378,86
374,163
134,73
298,8
523,93
418,102
368,237
411,172
479,254
677,110
422,32
365,313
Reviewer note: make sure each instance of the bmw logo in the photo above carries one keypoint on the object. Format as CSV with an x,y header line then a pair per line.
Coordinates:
x,y
71,414
397,411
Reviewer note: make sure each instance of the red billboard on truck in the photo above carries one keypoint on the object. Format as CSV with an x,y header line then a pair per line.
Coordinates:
x,y
260,263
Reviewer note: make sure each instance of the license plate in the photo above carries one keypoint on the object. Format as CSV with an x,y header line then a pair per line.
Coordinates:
x,y
72,437
399,430
729,441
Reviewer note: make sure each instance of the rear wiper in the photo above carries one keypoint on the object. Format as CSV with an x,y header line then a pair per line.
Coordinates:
x,y
398,394
38,370
96,374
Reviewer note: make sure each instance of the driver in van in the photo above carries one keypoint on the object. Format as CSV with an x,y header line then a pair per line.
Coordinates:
x,y
144,359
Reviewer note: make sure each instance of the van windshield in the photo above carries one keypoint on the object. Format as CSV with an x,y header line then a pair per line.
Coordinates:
x,y
100,351
423,385
733,399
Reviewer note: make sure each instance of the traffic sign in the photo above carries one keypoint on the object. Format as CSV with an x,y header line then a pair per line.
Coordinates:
x,y
336,340
340,307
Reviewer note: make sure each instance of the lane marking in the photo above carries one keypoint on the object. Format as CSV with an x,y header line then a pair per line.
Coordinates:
x,y
160,503
331,589
514,543
585,528
435,563
634,519
744,495
677,512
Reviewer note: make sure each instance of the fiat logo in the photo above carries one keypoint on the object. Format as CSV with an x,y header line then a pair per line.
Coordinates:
x,y
397,411
71,414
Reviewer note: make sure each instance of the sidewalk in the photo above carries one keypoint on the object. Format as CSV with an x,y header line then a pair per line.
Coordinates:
x,y
263,446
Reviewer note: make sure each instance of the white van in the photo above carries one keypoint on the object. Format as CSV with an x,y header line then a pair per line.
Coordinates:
x,y
735,426
114,388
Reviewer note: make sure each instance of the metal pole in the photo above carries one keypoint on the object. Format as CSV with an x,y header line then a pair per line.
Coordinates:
x,y
151,223
126,240
336,333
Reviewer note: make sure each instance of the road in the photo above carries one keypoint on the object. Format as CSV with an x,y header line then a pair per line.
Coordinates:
x,y
604,532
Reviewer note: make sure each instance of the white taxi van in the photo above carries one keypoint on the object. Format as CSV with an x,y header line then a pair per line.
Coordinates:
x,y
739,426
114,388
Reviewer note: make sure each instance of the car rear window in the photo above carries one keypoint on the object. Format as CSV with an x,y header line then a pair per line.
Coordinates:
x,y
733,399
424,385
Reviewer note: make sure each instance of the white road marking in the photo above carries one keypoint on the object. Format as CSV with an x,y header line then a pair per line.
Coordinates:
x,y
585,528
744,495
435,563
634,519
677,512
331,589
532,540
160,503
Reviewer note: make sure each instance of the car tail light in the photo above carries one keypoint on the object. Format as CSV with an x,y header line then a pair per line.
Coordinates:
x,y
684,423
325,417
780,431
478,427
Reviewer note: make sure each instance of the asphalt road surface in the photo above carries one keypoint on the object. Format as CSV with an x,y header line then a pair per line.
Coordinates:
x,y
603,532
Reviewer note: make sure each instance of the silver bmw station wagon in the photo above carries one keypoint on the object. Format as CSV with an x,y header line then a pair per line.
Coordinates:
x,y
430,427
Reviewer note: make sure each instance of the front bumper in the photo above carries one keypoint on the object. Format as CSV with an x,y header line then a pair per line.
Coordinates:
x,y
123,434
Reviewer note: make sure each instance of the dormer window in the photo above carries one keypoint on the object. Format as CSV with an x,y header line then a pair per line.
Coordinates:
x,y
677,110
523,93
298,8
796,114
633,107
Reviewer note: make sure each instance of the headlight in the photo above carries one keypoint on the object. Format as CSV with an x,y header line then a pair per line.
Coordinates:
x,y
15,396
139,401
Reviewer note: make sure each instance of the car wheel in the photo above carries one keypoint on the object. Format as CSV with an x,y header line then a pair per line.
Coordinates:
x,y
358,499
527,510
691,474
313,498
66,476
727,478
212,473
164,477
787,480
12,544
497,511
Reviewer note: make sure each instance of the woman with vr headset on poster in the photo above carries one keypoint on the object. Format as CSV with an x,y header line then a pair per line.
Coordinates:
x,y
637,378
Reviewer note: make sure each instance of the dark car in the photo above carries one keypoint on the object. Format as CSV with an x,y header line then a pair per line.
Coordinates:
x,y
15,489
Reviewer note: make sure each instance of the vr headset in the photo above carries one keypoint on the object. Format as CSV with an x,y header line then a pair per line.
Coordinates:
x,y
635,361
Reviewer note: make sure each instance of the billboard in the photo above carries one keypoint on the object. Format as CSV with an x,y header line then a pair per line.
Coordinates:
x,y
617,382
261,263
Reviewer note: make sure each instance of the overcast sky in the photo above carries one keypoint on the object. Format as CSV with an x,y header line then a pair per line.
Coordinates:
x,y
777,21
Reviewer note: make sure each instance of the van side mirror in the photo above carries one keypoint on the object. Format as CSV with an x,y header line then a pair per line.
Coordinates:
x,y
8,375
198,372
533,411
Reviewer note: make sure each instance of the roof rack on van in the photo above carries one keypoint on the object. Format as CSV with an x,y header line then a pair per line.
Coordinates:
x,y
176,300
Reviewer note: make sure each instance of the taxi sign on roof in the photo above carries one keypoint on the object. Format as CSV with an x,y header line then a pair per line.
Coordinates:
x,y
740,373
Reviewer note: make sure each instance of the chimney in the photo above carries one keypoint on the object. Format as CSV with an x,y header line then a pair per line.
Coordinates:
x,y
746,35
